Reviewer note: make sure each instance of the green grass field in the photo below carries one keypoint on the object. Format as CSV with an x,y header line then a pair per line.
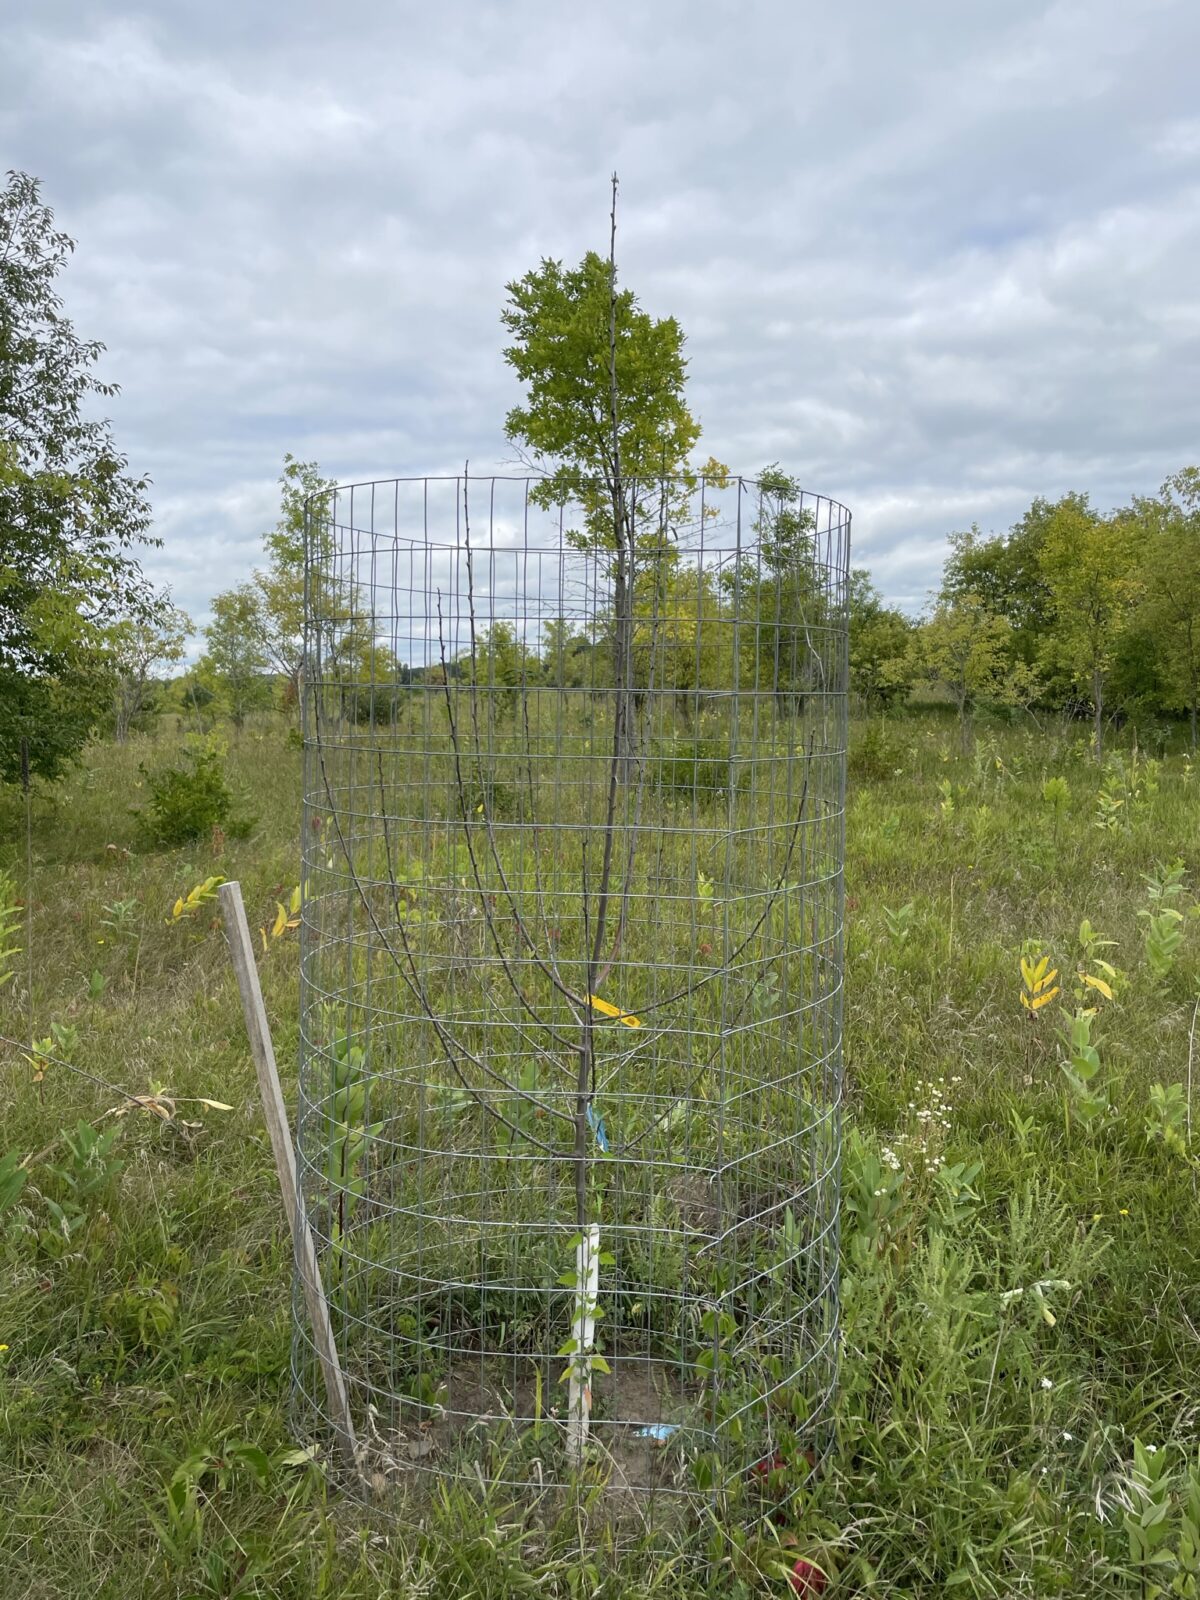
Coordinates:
x,y
1021,1281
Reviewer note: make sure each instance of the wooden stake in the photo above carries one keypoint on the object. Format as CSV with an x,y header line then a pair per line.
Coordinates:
x,y
241,951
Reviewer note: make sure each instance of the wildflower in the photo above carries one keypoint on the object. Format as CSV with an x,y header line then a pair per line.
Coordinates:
x,y
1124,1211
1047,1383
3,1348
1151,1449
1068,1438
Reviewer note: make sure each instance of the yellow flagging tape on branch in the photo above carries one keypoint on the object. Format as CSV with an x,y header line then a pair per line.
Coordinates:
x,y
607,1009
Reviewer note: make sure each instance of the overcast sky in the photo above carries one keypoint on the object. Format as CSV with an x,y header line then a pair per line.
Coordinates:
x,y
934,258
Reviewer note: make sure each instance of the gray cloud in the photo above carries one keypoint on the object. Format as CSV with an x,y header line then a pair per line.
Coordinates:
x,y
935,259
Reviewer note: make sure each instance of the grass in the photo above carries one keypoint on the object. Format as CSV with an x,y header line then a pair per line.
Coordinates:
x,y
1021,1277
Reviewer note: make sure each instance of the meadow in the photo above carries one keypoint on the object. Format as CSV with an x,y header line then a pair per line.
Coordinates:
x,y
1020,1378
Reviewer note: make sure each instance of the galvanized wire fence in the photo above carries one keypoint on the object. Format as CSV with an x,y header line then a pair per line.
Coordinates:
x,y
572,975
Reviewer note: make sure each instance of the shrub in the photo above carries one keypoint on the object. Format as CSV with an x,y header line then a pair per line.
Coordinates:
x,y
189,800
873,757
694,766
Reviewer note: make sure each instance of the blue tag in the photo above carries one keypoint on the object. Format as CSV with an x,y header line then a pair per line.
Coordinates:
x,y
596,1124
660,1432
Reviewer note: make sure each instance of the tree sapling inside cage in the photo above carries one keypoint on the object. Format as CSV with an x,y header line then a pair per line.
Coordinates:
x,y
572,968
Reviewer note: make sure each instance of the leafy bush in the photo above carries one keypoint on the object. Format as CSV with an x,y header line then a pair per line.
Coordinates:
x,y
872,757
693,766
485,795
189,800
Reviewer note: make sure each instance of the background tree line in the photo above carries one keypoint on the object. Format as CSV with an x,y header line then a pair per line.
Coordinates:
x,y
1070,611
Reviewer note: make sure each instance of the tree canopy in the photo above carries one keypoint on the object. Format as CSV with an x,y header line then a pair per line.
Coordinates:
x,y
71,511
569,327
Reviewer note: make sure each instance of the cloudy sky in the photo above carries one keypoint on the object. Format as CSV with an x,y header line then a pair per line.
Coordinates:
x,y
934,258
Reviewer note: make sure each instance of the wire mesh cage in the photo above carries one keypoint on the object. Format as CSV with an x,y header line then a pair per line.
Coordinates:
x,y
571,997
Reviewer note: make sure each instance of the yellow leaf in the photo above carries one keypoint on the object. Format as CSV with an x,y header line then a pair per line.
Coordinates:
x,y
1027,973
1040,970
607,1009
1042,999
213,1105
177,909
262,933
1098,983
294,903
280,921
1043,983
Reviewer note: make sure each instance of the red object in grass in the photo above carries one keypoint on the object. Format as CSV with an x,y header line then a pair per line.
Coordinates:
x,y
806,1578
768,1464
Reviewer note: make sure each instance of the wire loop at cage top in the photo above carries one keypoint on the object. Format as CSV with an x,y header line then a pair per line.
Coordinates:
x,y
572,972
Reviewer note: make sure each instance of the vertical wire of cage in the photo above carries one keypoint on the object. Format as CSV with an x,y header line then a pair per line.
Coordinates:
x,y
570,1080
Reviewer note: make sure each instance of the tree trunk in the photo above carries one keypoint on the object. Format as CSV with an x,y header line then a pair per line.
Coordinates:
x,y
1098,714
625,709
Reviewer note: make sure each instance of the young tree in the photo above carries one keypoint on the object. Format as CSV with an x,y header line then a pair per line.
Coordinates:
x,y
779,589
1004,573
882,662
967,650
1170,570
1089,564
678,642
501,665
606,419
236,658
565,656
281,586
70,511
141,645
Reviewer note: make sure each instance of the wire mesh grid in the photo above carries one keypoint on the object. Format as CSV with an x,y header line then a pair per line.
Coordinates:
x,y
571,997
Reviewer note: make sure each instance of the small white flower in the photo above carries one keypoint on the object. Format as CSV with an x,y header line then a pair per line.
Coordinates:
x,y
1151,1449
1068,1438
1047,1383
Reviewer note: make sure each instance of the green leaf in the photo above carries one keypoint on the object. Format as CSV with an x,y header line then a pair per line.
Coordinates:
x,y
254,1457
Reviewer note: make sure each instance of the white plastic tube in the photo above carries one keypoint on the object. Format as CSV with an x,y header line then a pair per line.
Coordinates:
x,y
583,1333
